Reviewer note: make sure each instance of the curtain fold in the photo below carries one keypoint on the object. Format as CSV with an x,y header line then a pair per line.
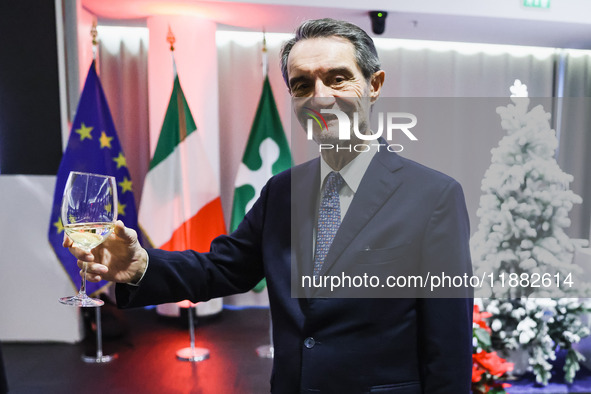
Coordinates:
x,y
575,135
123,69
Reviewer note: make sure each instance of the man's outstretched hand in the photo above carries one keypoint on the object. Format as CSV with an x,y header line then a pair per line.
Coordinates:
x,y
119,259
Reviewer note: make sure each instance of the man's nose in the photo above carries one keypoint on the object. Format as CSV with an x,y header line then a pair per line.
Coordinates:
x,y
323,95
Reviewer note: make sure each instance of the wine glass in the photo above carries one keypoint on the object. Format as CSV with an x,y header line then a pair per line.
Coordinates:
x,y
89,212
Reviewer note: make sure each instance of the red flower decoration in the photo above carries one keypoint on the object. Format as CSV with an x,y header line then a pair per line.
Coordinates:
x,y
476,373
479,318
487,366
492,363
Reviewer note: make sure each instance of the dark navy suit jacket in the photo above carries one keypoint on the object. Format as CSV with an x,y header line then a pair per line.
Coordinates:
x,y
3,382
403,215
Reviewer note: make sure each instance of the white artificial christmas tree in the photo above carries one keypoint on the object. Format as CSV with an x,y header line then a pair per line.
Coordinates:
x,y
524,209
523,213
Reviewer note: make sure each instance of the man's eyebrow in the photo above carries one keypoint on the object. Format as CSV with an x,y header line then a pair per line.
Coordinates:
x,y
340,70
332,71
295,80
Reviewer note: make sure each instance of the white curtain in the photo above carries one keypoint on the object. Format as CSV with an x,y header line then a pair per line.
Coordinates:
x,y
122,64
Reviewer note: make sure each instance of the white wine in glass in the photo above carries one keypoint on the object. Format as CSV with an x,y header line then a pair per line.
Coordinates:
x,y
89,212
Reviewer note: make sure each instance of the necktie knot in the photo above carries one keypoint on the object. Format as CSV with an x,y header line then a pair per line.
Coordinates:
x,y
330,197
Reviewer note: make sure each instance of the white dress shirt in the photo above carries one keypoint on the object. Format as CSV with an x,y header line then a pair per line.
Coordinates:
x,y
352,174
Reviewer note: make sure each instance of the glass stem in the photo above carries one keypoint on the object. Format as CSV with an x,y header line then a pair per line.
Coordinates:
x,y
82,291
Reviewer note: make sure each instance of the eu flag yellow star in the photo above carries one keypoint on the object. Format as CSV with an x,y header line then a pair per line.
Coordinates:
x,y
84,132
120,160
105,141
59,226
125,185
121,209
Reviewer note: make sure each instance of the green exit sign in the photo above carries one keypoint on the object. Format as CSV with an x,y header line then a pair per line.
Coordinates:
x,y
537,3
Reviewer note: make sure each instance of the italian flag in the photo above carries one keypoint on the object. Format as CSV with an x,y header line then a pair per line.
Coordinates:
x,y
266,154
180,206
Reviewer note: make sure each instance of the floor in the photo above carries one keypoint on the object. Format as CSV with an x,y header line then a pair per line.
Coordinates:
x,y
146,344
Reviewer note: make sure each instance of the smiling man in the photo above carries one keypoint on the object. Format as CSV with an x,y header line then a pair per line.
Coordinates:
x,y
323,73
345,213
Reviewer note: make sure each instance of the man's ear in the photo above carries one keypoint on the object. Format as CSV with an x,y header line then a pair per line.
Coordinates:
x,y
375,84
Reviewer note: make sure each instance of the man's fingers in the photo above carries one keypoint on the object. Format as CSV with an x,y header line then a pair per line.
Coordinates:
x,y
81,254
93,268
67,242
77,252
94,271
91,278
127,234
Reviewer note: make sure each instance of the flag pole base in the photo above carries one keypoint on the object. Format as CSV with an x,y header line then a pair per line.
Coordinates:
x,y
99,359
192,354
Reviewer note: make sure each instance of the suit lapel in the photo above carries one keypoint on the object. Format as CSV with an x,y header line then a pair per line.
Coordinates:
x,y
377,185
305,186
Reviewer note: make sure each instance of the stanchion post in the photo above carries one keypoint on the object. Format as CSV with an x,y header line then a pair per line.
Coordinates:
x,y
192,353
100,357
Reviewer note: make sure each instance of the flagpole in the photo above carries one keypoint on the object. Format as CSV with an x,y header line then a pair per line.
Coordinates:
x,y
190,353
99,357
171,40
265,56
266,351
94,34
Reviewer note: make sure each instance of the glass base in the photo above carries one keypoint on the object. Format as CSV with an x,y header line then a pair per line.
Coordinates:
x,y
266,351
99,359
192,354
83,301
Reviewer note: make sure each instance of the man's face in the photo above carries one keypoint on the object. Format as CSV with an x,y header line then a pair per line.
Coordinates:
x,y
323,74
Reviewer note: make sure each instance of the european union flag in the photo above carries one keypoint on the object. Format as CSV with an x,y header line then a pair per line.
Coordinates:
x,y
93,147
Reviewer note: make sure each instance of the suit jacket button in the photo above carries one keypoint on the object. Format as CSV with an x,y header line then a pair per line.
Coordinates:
x,y
309,342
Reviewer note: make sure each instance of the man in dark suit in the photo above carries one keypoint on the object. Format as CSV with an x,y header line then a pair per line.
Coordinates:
x,y
391,216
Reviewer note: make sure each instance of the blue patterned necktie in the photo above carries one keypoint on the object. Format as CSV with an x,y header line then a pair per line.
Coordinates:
x,y
329,218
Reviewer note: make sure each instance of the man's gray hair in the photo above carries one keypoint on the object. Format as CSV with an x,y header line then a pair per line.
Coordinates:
x,y
365,50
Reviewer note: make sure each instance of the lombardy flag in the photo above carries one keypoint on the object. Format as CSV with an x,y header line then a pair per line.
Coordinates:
x,y
93,147
180,207
266,154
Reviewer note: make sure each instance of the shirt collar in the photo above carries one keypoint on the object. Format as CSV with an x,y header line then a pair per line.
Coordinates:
x,y
353,172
